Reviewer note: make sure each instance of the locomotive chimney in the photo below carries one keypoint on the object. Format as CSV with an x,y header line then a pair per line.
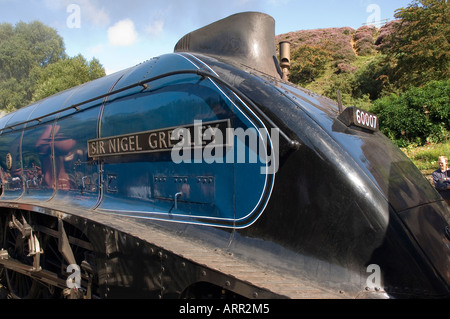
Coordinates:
x,y
285,59
246,38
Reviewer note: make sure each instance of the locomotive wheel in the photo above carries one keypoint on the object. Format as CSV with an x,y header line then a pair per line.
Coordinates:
x,y
19,285
53,261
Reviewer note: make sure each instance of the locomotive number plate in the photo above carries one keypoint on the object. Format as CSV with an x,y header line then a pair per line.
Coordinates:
x,y
355,116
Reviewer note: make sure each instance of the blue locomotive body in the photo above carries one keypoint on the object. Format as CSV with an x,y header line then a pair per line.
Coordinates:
x,y
207,161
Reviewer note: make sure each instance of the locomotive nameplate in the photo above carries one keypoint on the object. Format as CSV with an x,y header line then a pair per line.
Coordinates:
x,y
160,140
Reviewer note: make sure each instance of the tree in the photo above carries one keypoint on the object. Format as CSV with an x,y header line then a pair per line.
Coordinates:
x,y
12,94
345,83
420,42
308,62
33,65
26,46
374,77
23,48
65,74
418,115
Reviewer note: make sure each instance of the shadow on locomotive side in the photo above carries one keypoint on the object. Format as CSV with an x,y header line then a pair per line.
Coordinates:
x,y
205,174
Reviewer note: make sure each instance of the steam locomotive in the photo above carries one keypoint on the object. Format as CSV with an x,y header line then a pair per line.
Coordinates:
x,y
204,173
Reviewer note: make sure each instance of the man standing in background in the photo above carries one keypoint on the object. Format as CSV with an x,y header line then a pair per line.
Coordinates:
x,y
441,179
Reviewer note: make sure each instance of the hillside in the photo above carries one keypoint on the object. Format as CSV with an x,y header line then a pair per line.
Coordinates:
x,y
342,42
399,72
324,60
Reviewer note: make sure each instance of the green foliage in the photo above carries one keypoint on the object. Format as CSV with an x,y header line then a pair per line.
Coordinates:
x,y
345,84
426,157
400,71
65,74
365,40
420,43
32,57
374,78
417,116
308,63
24,48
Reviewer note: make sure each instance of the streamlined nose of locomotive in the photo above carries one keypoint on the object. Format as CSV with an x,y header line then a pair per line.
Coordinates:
x,y
430,230
416,249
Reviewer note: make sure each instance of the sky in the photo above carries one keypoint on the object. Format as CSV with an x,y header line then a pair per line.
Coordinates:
x,y
121,34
